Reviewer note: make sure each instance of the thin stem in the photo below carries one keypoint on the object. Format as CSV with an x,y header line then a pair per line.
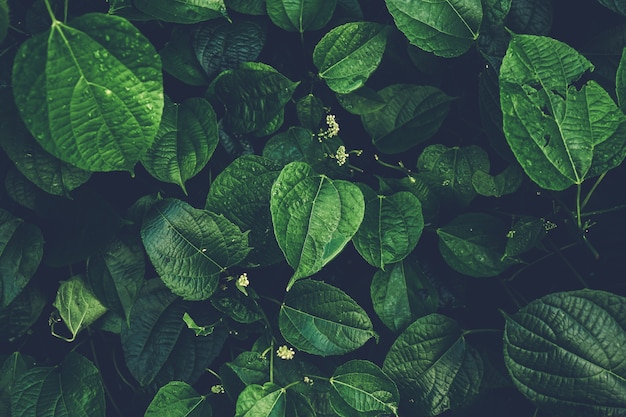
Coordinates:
x,y
215,374
106,389
50,12
65,10
400,167
535,262
272,361
593,188
512,296
578,219
477,331
591,248
18,30
568,263
609,210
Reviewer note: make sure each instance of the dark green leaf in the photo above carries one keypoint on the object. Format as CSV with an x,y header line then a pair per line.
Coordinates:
x,y
314,217
524,235
17,318
185,142
220,45
391,227
530,16
127,9
91,104
620,81
253,7
267,400
176,399
565,352
246,369
183,11
241,192
72,389
416,186
433,366
412,115
320,319
347,55
12,368
21,249
179,58
361,101
4,19
615,5
310,110
158,346
445,28
239,307
300,15
189,247
506,182
198,330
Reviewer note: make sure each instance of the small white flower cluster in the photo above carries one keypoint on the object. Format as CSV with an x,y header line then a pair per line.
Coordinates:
x,y
243,281
331,131
285,353
341,155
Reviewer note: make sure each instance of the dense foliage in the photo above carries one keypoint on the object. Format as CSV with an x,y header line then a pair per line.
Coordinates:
x,y
303,208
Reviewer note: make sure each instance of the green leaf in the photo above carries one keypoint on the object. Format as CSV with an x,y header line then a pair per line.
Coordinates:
x,y
320,319
347,55
416,186
473,244
21,249
446,28
158,346
253,7
4,19
525,234
314,217
449,171
71,389
183,11
239,307
391,227
615,5
433,366
246,369
17,318
253,94
220,45
91,104
300,15
620,81
179,58
241,192
78,307
186,140
506,182
412,115
565,353
176,399
530,16
116,274
361,101
189,248
12,368
360,388
401,294
310,111
127,9
560,133
198,330
267,400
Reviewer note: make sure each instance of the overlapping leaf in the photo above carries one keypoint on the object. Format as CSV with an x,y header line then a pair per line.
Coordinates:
x,y
176,399
182,11
179,58
300,15
267,400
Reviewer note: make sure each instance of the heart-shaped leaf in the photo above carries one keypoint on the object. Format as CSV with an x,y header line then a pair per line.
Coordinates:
x,y
300,15
565,352
177,399
189,247
314,217
267,400
182,11
434,367
446,28
323,320
84,98
347,55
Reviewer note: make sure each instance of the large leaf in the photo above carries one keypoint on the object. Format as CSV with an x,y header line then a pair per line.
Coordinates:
x,y
253,7
433,366
620,81
347,55
241,192
267,400
412,115
360,388
565,352
310,110
72,389
300,15
253,95
12,368
220,45
189,247
313,216
176,399
533,17
158,346
361,101
446,28
84,98
77,306
179,58
323,320
21,249
182,11
560,133
17,318
391,227
185,142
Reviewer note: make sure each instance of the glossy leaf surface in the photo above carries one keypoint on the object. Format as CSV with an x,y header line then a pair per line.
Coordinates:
x,y
182,11
176,399
267,400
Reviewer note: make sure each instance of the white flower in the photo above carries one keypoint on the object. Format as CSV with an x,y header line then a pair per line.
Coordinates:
x,y
331,131
341,156
243,281
285,352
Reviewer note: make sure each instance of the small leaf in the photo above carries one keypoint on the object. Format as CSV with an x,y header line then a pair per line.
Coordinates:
x,y
177,399
185,142
21,249
183,11
91,103
198,330
391,227
433,366
320,319
179,58
446,28
473,244
220,45
412,114
314,217
300,15
416,186
267,400
361,101
310,111
246,369
77,305
565,353
525,234
360,388
189,248
347,55
506,182
239,307
72,389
